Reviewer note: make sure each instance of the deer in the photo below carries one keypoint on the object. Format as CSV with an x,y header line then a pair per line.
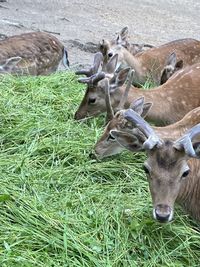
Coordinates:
x,y
107,146
179,95
172,167
170,67
122,39
168,150
149,64
34,53
93,80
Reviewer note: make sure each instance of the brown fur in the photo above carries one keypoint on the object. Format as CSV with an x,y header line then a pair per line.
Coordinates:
x,y
150,63
122,38
41,53
171,174
166,183
105,147
171,101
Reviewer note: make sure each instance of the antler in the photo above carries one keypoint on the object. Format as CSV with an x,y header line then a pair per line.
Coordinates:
x,y
94,79
110,112
185,142
109,109
98,58
152,139
126,92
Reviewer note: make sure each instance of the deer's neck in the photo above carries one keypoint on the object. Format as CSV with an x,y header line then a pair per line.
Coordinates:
x,y
171,101
189,194
162,104
147,66
135,63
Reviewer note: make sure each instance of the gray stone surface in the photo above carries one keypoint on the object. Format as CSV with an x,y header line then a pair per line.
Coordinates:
x,y
80,22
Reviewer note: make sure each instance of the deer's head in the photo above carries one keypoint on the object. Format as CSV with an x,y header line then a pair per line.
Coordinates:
x,y
119,45
166,167
107,144
109,48
93,102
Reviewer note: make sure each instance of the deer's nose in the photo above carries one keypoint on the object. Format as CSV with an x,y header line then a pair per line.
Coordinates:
x,y
163,213
78,116
92,155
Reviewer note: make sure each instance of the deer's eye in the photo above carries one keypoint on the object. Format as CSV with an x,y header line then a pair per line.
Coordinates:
x,y
110,54
185,174
91,100
146,170
110,138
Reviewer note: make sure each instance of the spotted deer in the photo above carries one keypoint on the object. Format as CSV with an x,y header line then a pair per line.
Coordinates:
x,y
94,92
108,146
149,64
171,166
34,53
179,95
122,39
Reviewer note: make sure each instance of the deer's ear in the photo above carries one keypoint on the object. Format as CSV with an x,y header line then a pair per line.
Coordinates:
x,y
169,69
122,37
119,79
137,105
171,60
124,33
147,106
132,142
111,65
140,107
10,64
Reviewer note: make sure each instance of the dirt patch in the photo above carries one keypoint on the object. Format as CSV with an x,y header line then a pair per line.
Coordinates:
x,y
80,25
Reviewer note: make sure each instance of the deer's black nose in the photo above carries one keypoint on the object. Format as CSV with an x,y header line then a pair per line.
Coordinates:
x,y
163,213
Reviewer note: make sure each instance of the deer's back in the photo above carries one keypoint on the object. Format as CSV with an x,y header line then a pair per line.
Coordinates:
x,y
154,59
40,52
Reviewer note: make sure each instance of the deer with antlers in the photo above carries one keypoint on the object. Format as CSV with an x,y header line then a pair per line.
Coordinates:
x,y
149,64
107,145
171,166
34,53
171,100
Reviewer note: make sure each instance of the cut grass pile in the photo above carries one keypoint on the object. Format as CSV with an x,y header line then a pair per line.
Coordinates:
x,y
60,208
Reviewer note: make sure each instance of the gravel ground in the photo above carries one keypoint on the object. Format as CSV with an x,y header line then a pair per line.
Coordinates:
x,y
82,24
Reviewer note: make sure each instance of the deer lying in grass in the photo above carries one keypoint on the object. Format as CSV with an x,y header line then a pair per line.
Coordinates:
x,y
94,80
108,146
171,174
122,39
35,53
166,166
150,63
177,96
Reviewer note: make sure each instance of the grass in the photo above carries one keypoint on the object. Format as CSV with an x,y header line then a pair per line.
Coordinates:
x,y
60,208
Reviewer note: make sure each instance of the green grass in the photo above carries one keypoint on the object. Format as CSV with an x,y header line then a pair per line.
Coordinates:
x,y
60,208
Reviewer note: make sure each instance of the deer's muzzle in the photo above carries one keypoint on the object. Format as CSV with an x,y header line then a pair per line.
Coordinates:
x,y
163,213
